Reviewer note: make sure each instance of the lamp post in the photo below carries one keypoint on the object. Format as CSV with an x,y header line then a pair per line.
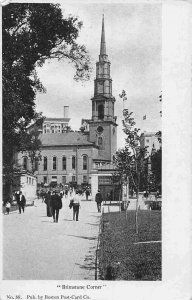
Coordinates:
x,y
77,165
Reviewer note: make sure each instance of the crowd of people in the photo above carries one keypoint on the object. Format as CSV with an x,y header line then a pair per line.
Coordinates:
x,y
53,200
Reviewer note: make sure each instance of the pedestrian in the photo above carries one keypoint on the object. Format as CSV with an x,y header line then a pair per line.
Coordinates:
x,y
66,192
76,205
56,205
61,194
108,198
87,193
21,201
98,200
48,203
7,206
146,194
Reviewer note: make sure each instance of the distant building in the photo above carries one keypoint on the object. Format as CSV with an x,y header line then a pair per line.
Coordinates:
x,y
57,125
150,140
82,156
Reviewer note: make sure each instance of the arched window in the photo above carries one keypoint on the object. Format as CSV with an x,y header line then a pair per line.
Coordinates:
x,y
36,163
101,111
73,162
54,163
25,163
64,163
85,162
45,163
100,141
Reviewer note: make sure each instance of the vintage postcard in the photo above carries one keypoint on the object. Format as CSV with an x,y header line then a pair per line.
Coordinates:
x,y
96,150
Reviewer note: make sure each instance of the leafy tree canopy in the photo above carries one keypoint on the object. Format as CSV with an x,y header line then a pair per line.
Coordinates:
x,y
31,34
130,161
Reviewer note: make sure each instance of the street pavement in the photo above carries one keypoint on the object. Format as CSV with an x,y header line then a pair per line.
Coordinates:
x,y
35,248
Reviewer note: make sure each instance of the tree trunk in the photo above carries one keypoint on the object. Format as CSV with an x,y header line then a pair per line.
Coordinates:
x,y
137,202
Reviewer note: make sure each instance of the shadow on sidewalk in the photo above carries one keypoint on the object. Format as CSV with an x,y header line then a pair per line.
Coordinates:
x,y
83,237
92,224
89,264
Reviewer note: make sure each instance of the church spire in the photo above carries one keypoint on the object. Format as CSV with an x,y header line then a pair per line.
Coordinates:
x,y
103,45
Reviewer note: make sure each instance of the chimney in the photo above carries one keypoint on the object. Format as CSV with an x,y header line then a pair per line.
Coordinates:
x,y
66,112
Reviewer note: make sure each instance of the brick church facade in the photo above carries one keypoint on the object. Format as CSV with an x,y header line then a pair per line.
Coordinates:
x,y
84,155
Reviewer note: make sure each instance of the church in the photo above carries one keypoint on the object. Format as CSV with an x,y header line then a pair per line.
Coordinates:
x,y
85,156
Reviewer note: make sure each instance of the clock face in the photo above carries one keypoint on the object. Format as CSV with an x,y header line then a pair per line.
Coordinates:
x,y
100,129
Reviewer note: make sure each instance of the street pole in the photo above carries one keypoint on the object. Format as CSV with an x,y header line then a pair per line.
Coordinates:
x,y
77,165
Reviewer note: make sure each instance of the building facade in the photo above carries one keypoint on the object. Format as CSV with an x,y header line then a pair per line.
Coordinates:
x,y
150,140
78,156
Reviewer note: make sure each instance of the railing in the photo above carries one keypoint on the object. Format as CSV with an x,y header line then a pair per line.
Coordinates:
x,y
99,246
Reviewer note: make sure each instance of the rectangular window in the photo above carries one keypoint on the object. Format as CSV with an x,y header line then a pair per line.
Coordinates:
x,y
64,180
54,179
29,180
25,163
73,162
73,178
45,163
147,140
45,179
64,162
54,163
84,162
36,164
84,179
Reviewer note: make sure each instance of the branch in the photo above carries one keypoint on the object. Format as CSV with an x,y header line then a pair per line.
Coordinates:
x,y
19,26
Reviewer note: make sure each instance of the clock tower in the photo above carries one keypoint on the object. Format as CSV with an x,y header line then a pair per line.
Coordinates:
x,y
103,127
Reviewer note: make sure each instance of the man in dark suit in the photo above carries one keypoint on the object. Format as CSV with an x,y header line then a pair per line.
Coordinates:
x,y
98,200
56,205
21,201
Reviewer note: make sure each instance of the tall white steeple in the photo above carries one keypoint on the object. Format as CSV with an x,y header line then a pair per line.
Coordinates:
x,y
103,124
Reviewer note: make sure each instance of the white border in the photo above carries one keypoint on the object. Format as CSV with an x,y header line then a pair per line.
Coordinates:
x,y
177,216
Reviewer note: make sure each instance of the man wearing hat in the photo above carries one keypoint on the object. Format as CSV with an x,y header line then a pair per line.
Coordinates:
x,y
56,205
98,200
21,201
76,205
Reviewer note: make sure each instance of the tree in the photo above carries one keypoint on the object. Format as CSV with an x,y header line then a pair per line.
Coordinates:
x,y
156,163
31,145
156,168
32,33
130,160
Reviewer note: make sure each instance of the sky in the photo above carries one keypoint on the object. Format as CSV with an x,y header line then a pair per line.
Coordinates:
x,y
133,43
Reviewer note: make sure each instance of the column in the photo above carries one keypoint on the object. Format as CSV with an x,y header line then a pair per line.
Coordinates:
x,y
95,110
94,185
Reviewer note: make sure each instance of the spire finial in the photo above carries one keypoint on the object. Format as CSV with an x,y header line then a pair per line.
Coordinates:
x,y
103,45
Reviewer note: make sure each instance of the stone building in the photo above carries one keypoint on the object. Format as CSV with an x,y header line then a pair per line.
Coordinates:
x,y
80,156
149,140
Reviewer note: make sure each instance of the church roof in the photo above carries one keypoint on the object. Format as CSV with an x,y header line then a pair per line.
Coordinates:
x,y
57,120
64,139
148,134
100,156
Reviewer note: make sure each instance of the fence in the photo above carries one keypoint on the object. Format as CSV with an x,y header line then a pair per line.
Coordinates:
x,y
99,246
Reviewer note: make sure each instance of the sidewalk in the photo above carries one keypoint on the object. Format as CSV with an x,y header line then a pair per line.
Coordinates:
x,y
35,248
